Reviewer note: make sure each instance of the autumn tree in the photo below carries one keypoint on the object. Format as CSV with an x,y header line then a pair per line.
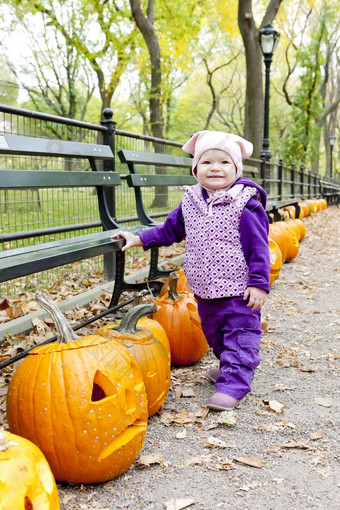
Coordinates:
x,y
315,100
99,32
55,78
253,120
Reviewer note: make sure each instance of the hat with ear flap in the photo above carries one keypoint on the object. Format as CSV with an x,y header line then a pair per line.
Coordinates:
x,y
235,146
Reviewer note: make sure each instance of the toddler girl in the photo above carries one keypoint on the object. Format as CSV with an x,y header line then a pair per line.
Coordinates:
x,y
224,223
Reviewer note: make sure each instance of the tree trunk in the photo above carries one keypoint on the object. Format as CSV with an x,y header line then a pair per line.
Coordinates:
x,y
147,29
253,119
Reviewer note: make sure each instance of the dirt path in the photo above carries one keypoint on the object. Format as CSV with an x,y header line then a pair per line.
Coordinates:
x,y
279,449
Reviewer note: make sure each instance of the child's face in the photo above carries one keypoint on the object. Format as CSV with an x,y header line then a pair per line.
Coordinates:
x,y
215,170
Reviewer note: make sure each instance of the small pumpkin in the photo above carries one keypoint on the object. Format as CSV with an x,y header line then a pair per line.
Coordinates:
x,y
275,234
299,228
285,237
182,284
144,322
275,261
26,480
82,401
152,358
304,210
312,206
179,317
291,239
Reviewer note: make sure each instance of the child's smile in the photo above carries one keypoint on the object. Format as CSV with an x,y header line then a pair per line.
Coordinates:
x,y
215,170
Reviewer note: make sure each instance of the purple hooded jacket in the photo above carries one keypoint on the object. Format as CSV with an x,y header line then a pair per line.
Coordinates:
x,y
253,235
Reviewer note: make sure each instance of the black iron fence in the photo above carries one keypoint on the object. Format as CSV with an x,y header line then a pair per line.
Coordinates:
x,y
29,217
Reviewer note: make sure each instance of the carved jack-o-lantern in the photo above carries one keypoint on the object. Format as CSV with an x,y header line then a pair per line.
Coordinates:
x,y
82,402
26,481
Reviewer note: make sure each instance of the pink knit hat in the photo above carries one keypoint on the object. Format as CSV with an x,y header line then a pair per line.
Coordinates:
x,y
236,147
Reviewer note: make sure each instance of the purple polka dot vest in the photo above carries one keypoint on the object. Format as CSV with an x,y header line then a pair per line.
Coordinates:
x,y
214,264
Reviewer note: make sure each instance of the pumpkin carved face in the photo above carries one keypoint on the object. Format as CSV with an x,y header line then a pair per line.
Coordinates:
x,y
26,480
84,404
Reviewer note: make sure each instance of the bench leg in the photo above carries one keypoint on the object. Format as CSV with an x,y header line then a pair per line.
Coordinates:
x,y
154,271
121,285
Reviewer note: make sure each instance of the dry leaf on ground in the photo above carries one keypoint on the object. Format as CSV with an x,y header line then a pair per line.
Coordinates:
x,y
250,461
178,504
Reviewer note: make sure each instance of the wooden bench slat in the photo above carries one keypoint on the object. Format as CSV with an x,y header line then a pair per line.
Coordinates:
x,y
150,158
25,145
144,180
15,179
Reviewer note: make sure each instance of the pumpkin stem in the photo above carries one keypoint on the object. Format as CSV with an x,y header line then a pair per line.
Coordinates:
x,y
65,332
128,323
172,292
4,441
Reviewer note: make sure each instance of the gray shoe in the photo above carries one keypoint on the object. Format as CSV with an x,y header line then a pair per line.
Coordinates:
x,y
221,402
213,374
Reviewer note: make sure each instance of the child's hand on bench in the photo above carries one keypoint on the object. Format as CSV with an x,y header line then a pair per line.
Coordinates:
x,y
131,239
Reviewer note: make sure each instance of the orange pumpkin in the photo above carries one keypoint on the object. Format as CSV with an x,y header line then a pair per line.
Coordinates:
x,y
151,357
275,234
144,322
179,317
299,228
26,480
287,212
312,206
321,204
304,210
182,284
286,238
82,401
275,261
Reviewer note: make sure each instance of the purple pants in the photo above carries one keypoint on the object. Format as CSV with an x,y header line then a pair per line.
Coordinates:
x,y
234,332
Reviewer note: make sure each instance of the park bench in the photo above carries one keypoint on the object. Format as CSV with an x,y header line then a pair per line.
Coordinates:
x,y
19,262
274,206
139,181
330,190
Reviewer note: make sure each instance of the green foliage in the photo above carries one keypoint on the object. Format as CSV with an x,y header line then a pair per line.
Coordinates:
x,y
9,88
302,145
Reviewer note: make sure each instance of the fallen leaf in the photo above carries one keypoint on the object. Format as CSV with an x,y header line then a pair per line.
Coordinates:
x,y
317,434
213,441
188,393
226,465
40,325
181,435
276,406
148,460
296,444
324,402
227,418
198,461
307,368
250,461
178,504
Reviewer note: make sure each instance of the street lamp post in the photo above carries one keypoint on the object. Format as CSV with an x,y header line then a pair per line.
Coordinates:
x,y
268,39
331,143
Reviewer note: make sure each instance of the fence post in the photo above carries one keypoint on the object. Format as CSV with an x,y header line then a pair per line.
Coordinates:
x,y
301,180
263,173
280,174
109,166
316,194
309,184
292,179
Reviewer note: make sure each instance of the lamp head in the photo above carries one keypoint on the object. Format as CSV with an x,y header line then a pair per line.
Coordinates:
x,y
268,38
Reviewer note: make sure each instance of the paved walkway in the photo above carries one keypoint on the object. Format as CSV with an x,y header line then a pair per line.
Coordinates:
x,y
283,449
